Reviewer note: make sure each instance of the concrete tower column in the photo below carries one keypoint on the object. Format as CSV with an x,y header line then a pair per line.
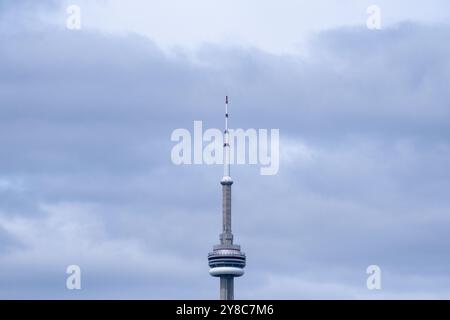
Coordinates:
x,y
227,236
226,288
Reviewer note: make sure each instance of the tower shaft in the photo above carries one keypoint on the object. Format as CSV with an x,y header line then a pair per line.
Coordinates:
x,y
226,236
226,288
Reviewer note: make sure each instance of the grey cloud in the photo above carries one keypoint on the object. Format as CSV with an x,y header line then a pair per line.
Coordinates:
x,y
85,124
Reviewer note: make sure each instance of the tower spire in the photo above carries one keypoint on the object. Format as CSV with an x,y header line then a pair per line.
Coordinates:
x,y
226,261
226,147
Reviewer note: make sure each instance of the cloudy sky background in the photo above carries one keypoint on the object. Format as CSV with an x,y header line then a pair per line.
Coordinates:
x,y
86,176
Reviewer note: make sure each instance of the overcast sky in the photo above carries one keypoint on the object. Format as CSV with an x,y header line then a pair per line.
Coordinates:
x,y
86,176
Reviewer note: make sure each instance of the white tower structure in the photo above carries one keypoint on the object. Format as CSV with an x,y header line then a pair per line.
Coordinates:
x,y
226,261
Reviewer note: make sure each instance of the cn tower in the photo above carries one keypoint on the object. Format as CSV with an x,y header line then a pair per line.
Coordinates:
x,y
226,261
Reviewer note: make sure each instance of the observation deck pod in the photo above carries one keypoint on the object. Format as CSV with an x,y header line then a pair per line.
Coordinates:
x,y
226,260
